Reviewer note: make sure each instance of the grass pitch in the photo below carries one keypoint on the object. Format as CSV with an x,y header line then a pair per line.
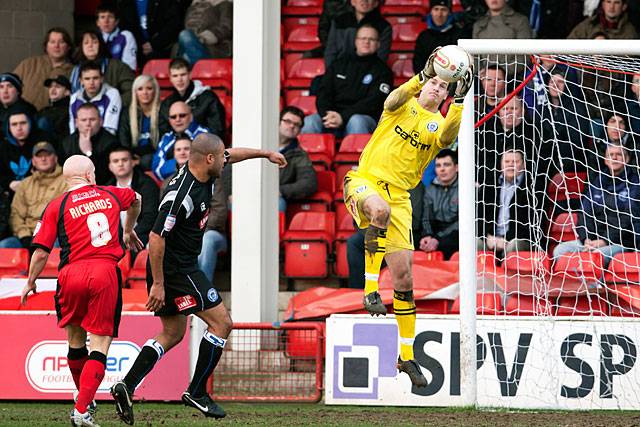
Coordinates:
x,y
279,414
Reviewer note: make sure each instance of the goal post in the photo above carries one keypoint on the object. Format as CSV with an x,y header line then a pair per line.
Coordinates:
x,y
559,369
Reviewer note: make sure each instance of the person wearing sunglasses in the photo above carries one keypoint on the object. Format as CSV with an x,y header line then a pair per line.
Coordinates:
x,y
181,120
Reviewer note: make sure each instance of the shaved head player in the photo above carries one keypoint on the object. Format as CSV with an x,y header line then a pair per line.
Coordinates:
x,y
176,286
86,220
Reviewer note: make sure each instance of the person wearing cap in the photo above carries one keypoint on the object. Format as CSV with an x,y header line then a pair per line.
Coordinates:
x,y
34,70
442,30
32,196
55,117
20,136
11,95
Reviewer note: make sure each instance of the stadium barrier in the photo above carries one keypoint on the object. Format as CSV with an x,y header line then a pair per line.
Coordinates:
x,y
271,362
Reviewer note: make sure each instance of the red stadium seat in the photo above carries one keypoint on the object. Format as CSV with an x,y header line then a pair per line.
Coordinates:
x,y
215,73
306,103
302,8
51,267
289,23
526,262
302,72
486,303
575,273
345,230
405,7
138,274
403,19
159,68
14,262
339,207
527,305
320,147
624,268
134,299
562,229
565,190
348,154
302,38
402,71
228,109
420,257
581,305
320,201
307,245
405,35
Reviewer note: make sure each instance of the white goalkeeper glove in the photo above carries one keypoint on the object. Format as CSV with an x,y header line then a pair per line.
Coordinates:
x,y
428,72
463,85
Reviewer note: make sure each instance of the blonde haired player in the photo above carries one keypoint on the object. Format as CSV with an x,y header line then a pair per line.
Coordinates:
x,y
410,133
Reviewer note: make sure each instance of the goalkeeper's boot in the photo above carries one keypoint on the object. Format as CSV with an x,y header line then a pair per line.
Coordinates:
x,y
411,368
92,408
124,402
79,420
204,404
373,304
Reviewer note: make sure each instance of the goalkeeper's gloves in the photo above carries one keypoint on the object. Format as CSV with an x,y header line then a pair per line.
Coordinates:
x,y
428,72
463,85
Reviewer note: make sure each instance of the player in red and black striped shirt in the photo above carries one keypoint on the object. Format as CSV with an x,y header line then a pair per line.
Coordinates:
x,y
86,222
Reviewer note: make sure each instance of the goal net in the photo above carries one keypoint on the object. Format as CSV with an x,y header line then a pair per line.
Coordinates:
x,y
557,224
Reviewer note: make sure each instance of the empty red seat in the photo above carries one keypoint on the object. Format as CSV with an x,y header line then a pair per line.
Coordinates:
x,y
527,262
624,268
303,71
14,262
159,68
403,19
215,73
581,305
405,35
488,303
320,147
563,228
576,273
289,23
307,245
527,305
306,103
565,190
138,274
338,205
345,230
302,38
405,7
402,71
302,8
228,109
320,201
624,300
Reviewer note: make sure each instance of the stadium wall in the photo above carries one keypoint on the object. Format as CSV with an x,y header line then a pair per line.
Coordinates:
x,y
23,24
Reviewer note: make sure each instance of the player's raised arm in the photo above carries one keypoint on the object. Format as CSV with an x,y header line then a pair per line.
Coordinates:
x,y
399,96
240,153
451,126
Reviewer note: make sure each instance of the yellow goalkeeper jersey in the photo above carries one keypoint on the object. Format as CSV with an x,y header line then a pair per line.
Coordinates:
x,y
407,139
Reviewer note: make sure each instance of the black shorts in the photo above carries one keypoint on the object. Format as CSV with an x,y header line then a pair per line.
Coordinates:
x,y
185,293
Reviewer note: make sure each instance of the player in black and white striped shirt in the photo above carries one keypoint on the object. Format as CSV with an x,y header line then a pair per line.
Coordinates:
x,y
176,286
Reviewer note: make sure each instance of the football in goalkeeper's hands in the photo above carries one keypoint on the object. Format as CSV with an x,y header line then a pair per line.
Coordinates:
x,y
451,63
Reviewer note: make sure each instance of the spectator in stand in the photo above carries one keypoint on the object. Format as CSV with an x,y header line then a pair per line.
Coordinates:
x,y
92,140
610,18
440,207
550,19
116,74
342,33
352,90
208,31
506,210
570,129
355,243
54,118
120,44
127,175
298,179
205,106
501,22
494,86
181,150
21,135
181,119
138,126
330,9
442,30
95,91
32,196
155,26
34,70
11,97
615,133
632,101
609,221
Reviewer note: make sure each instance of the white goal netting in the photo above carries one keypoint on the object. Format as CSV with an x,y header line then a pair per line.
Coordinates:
x,y
558,230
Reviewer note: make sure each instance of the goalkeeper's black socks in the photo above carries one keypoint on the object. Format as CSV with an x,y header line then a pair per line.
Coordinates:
x,y
144,363
209,355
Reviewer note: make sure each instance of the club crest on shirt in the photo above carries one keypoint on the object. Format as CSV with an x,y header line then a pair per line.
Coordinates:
x,y
212,294
432,126
414,112
185,302
169,222
368,78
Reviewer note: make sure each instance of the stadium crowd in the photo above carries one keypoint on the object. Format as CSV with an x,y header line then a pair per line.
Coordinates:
x,y
88,100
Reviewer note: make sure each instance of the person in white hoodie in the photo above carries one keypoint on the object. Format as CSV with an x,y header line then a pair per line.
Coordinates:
x,y
206,108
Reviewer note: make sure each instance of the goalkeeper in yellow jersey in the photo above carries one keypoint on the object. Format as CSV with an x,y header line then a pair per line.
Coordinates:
x,y
410,133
